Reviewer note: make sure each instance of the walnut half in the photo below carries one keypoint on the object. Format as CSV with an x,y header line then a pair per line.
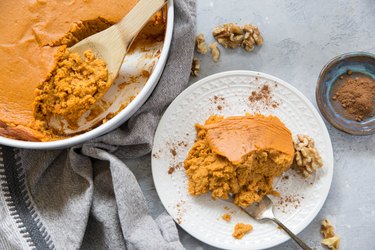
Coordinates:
x,y
195,67
330,240
252,37
215,52
306,157
327,229
200,44
229,35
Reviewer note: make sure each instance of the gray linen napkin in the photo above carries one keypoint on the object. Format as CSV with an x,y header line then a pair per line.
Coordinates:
x,y
85,197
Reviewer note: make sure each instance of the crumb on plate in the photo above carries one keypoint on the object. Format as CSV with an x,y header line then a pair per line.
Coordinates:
x,y
240,229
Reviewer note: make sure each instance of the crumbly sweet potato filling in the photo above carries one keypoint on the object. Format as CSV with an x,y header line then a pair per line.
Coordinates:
x,y
72,87
239,156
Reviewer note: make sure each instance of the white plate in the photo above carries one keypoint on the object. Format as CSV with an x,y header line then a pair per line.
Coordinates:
x,y
201,216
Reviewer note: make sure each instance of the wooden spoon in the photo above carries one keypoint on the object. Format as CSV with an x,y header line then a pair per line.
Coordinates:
x,y
111,45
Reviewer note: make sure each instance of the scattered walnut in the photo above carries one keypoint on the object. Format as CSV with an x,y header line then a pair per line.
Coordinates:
x,y
215,52
200,44
232,36
195,67
330,240
327,229
306,158
229,35
332,243
252,36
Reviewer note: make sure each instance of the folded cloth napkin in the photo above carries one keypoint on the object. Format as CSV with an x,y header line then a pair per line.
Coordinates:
x,y
86,197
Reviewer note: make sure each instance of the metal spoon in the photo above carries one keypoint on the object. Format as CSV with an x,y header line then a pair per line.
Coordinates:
x,y
263,211
111,45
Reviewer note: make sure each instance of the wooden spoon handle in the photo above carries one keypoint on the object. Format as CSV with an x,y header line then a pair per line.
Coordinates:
x,y
134,21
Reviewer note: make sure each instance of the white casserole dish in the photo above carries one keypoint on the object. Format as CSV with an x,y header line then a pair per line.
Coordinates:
x,y
122,116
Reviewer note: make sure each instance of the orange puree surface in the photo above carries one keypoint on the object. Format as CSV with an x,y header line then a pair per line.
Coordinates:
x,y
31,31
235,137
239,155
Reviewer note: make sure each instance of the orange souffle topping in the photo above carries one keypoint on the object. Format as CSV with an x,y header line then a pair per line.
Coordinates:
x,y
239,155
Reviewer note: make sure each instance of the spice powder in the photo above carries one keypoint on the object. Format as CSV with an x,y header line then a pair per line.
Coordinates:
x,y
356,94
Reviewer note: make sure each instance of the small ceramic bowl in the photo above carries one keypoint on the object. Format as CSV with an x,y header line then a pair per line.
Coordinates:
x,y
359,63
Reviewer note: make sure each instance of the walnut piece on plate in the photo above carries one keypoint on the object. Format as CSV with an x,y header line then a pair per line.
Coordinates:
x,y
330,240
200,44
215,52
195,67
252,37
229,35
306,157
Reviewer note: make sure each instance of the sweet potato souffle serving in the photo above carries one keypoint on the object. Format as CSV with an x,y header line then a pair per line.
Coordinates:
x,y
39,78
239,155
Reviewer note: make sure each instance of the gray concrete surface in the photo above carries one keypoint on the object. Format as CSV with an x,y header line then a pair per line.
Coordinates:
x,y
300,37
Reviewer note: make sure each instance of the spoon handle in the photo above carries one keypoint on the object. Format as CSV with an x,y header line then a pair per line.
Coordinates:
x,y
133,22
292,235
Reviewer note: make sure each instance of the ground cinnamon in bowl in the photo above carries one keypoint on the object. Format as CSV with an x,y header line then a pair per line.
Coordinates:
x,y
356,94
